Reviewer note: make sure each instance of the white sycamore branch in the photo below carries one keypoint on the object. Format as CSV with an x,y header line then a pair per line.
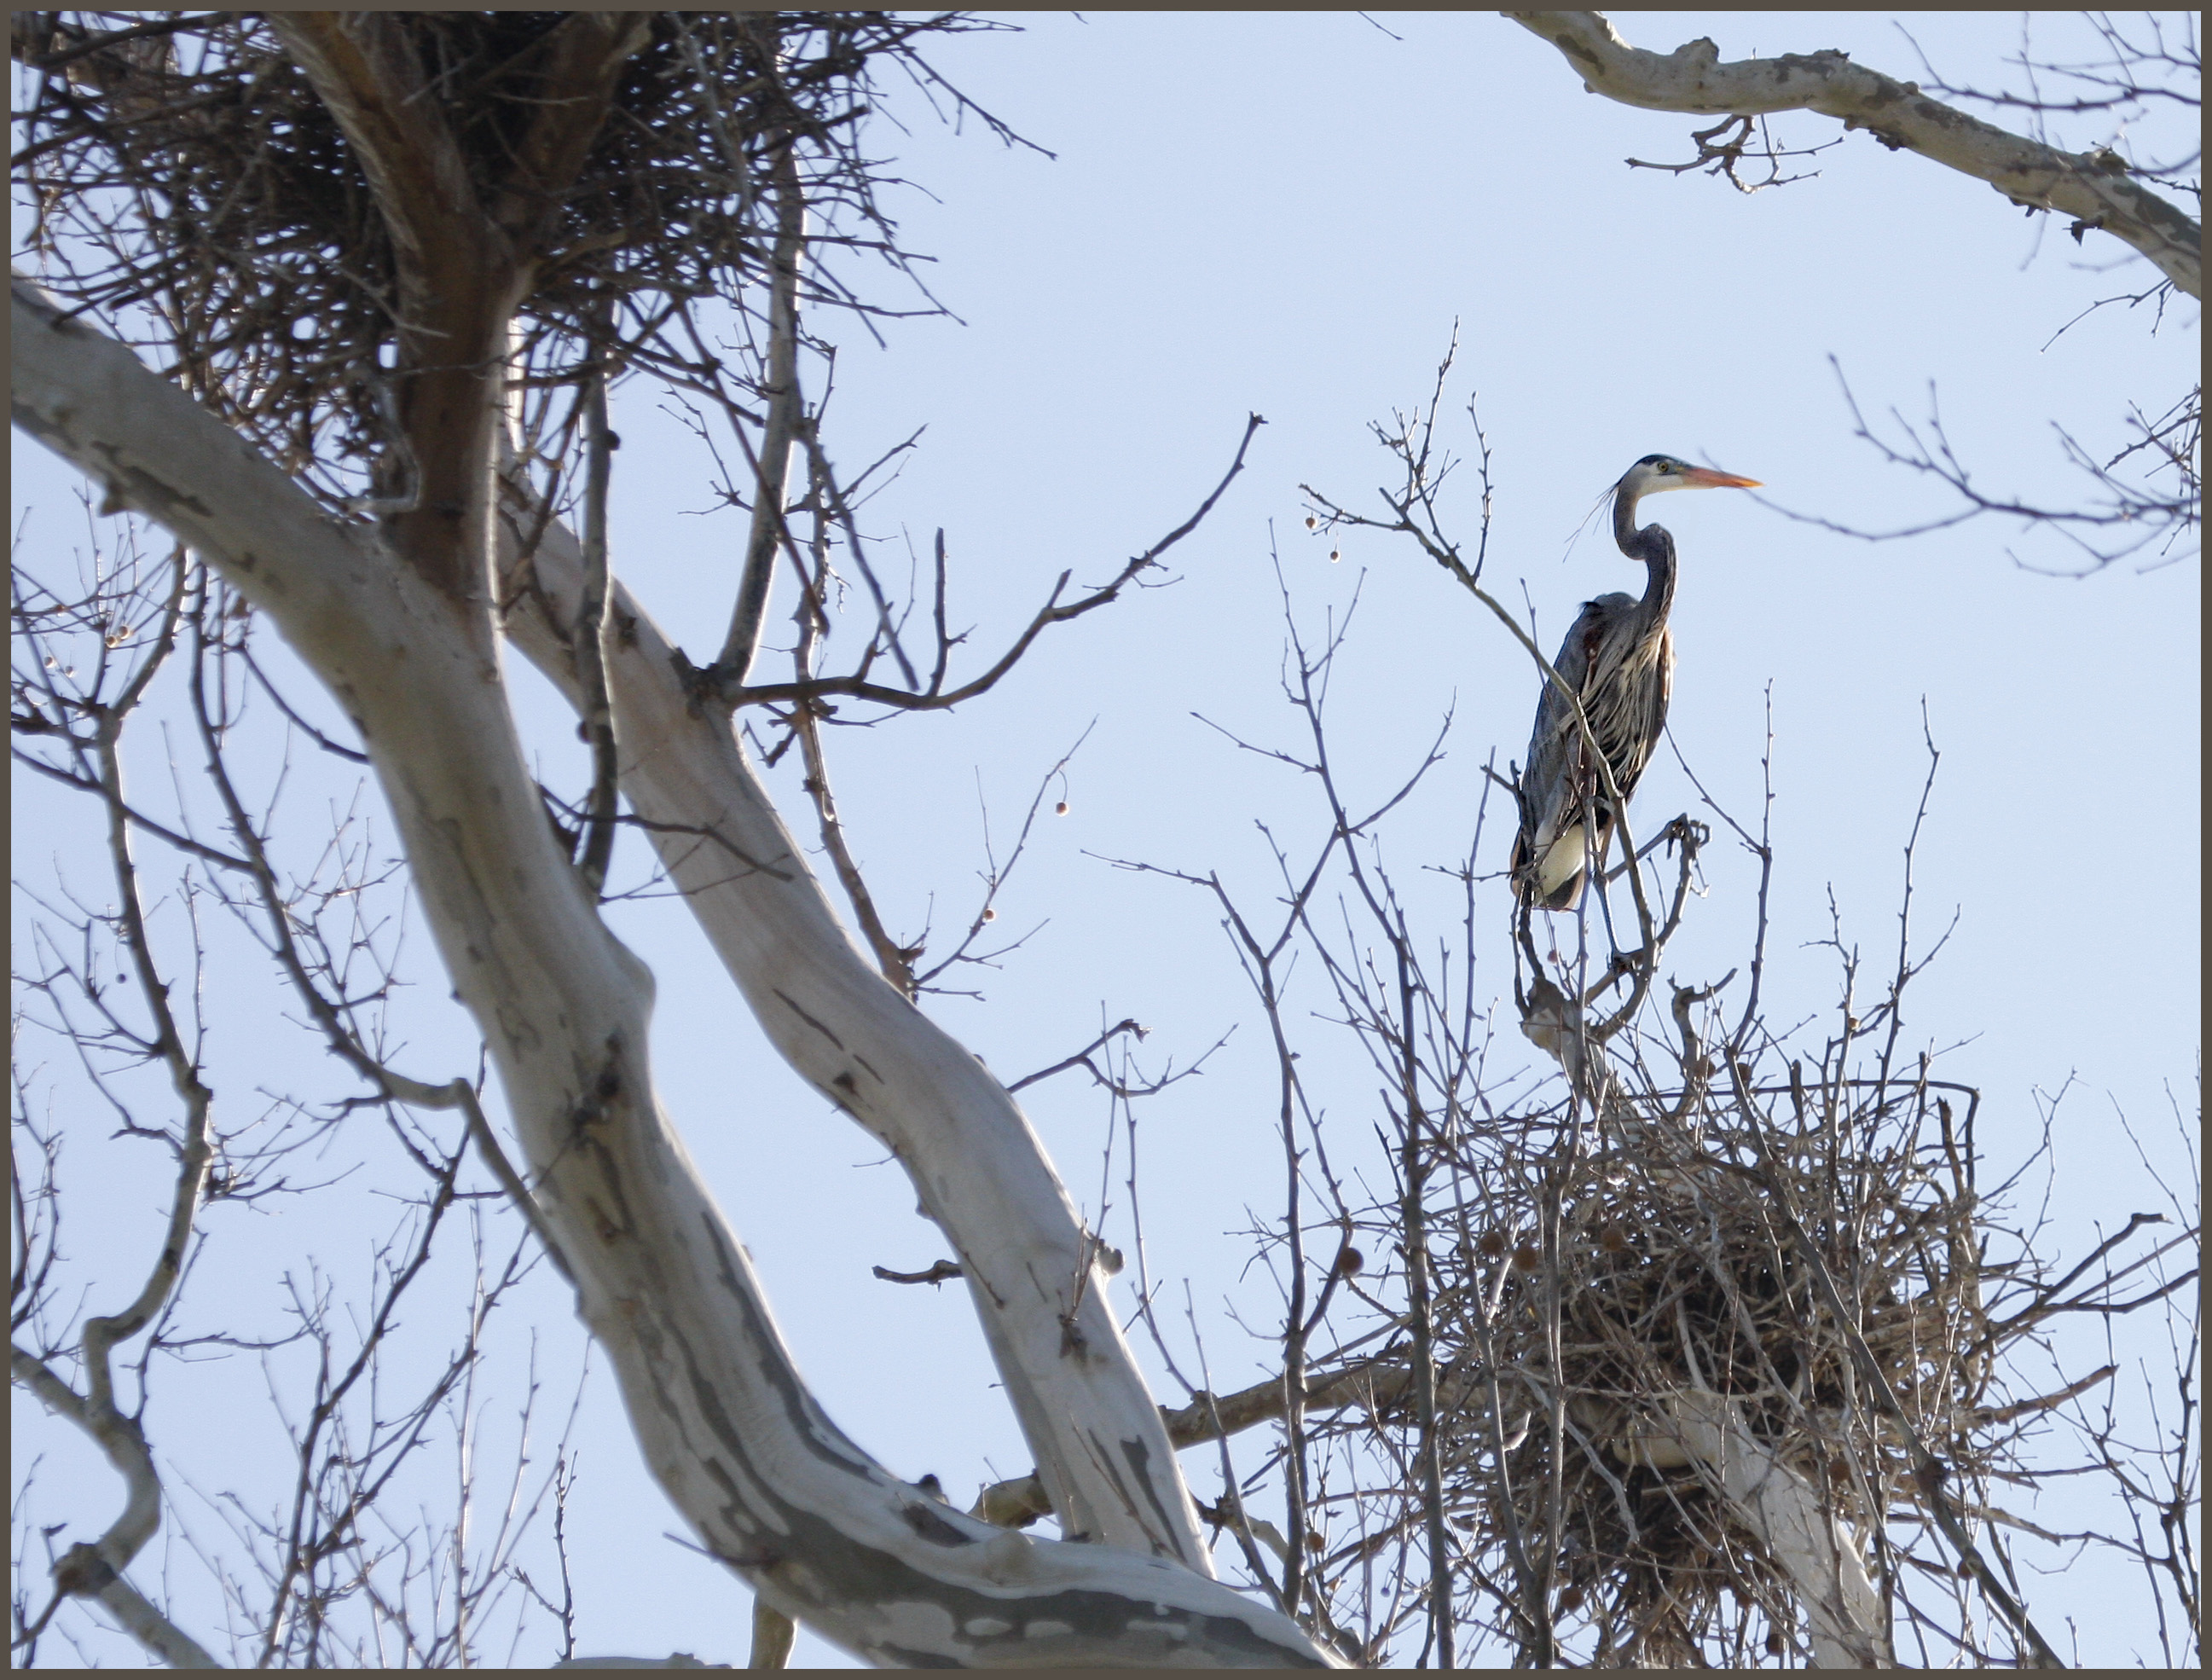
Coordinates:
x,y
979,1168
761,1474
2092,188
1799,1532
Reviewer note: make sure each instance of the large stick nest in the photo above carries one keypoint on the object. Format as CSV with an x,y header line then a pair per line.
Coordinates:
x,y
1678,1276
191,190
1647,1262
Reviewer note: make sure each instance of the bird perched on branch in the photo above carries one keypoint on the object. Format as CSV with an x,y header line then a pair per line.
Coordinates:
x,y
1619,659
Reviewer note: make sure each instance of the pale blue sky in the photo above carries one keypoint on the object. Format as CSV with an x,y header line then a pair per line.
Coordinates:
x,y
1286,214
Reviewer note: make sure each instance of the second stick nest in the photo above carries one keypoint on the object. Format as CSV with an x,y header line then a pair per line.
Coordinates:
x,y
190,189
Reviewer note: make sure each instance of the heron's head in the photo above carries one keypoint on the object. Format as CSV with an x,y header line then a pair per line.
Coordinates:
x,y
1655,474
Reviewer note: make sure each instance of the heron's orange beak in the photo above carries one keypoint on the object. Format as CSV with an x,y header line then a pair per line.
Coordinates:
x,y
1703,477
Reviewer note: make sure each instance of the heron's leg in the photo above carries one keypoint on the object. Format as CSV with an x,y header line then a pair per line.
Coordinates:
x,y
1622,962
1526,944
1582,938
1601,879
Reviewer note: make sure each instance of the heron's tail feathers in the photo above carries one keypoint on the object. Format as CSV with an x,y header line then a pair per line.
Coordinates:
x,y
1548,869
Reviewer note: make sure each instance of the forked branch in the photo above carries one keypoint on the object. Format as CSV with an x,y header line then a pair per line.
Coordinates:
x,y
936,696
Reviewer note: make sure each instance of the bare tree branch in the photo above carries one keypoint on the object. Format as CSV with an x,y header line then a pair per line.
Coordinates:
x,y
936,698
2093,188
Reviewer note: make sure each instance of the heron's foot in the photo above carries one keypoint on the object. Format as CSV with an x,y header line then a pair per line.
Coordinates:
x,y
1619,967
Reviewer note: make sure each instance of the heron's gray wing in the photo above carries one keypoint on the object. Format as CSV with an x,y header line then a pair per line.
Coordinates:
x,y
1626,698
1556,786
1560,776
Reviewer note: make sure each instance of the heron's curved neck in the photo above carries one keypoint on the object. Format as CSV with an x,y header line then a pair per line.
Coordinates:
x,y
1654,547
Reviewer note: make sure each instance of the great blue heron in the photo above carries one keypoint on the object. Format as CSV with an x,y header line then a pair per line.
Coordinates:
x,y
1619,660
